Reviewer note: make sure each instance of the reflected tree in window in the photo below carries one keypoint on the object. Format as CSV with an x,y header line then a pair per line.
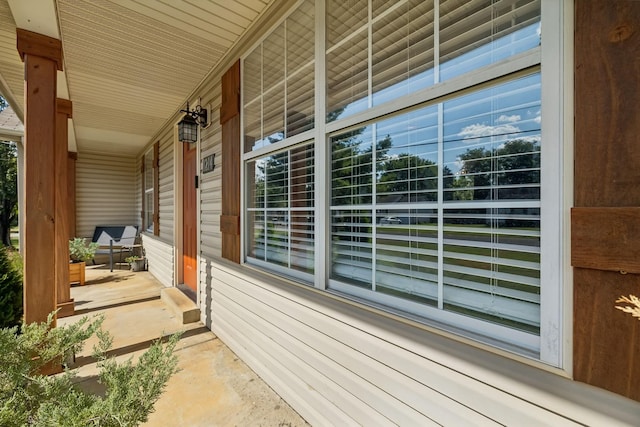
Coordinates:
x,y
511,171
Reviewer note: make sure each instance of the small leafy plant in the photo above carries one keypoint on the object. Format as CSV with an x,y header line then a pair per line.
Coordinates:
x,y
28,398
80,250
136,262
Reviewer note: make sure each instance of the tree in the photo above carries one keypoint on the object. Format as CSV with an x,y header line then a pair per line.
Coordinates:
x,y
8,185
10,288
408,177
514,165
8,189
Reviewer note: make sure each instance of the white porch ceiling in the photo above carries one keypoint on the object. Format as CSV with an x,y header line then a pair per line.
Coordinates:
x,y
129,64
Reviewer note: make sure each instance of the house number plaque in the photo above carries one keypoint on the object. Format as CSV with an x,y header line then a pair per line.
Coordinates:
x,y
209,163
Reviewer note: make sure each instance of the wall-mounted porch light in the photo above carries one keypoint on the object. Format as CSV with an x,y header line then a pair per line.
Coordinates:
x,y
188,126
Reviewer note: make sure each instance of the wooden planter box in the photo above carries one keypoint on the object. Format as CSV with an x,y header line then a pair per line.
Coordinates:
x,y
76,272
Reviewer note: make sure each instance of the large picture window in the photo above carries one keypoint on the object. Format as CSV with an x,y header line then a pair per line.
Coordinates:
x,y
441,206
421,186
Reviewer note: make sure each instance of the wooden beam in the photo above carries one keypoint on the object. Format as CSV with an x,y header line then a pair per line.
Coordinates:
x,y
65,303
230,93
230,224
606,239
40,69
35,44
230,120
606,342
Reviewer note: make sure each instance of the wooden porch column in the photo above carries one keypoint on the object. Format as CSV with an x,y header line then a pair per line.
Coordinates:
x,y
42,57
65,303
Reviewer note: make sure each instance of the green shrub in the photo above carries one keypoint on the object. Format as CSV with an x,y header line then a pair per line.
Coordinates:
x,y
28,398
10,288
79,250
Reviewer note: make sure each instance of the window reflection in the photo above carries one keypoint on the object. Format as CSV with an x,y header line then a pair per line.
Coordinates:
x,y
278,82
403,55
385,221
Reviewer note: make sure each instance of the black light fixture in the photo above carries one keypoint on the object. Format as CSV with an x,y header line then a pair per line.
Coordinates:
x,y
188,126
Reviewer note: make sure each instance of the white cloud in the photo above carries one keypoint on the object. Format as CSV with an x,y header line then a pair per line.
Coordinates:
x,y
508,119
478,131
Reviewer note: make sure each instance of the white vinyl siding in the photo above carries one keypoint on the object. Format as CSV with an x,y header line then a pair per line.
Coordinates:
x,y
166,188
210,190
159,258
210,199
340,364
159,250
106,192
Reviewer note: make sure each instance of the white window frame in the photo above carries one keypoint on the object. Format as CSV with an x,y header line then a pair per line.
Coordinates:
x,y
554,342
148,190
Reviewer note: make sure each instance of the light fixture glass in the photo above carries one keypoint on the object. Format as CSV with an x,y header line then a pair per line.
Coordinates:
x,y
188,129
188,126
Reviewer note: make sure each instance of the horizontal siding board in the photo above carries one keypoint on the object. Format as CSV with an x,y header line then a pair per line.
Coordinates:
x,y
160,259
280,347
211,183
306,400
502,389
166,186
106,192
350,369
426,387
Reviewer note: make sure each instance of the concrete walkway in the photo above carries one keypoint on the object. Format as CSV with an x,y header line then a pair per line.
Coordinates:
x,y
213,386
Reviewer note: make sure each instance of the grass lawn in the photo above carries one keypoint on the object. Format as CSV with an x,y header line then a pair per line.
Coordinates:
x,y
15,242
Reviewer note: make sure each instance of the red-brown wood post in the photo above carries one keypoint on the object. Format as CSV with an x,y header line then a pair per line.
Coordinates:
x,y
65,303
42,57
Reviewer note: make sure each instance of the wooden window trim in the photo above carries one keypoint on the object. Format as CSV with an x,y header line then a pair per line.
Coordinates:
x,y
230,121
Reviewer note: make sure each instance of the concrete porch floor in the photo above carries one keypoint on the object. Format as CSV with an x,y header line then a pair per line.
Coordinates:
x,y
213,386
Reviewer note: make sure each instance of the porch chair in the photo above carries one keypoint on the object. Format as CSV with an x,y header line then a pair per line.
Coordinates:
x,y
110,237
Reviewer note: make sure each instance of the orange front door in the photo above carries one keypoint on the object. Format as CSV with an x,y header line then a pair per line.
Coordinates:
x,y
189,247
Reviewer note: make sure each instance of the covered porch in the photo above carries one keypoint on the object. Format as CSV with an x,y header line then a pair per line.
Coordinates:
x,y
96,86
102,86
208,370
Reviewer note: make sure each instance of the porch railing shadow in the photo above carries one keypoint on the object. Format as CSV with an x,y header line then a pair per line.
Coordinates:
x,y
81,361
114,305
